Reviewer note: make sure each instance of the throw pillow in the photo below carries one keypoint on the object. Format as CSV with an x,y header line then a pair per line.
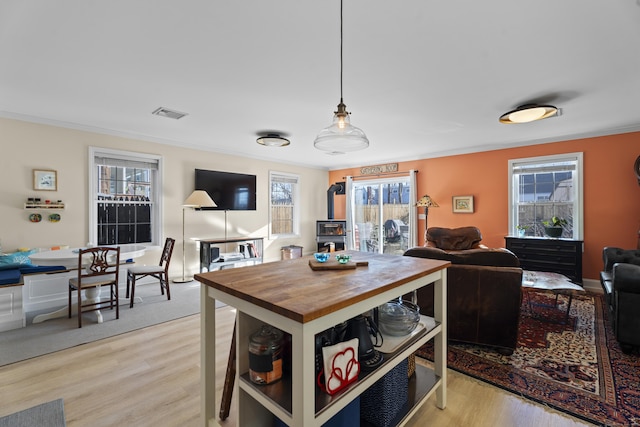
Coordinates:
x,y
454,239
15,259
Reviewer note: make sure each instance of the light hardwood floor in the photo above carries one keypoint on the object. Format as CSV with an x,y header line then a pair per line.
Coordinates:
x,y
150,377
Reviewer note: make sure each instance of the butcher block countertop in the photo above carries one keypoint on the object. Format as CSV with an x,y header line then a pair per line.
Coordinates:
x,y
291,288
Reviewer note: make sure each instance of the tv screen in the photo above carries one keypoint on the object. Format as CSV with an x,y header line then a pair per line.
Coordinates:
x,y
230,191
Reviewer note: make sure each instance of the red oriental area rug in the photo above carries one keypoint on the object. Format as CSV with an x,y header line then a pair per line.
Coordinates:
x,y
576,367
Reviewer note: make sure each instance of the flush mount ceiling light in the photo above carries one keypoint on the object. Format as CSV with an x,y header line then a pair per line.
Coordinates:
x,y
529,113
273,140
341,136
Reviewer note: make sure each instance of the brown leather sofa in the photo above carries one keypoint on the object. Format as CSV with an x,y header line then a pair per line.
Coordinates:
x,y
484,288
620,281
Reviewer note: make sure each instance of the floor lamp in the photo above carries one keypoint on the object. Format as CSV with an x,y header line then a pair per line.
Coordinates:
x,y
197,199
426,202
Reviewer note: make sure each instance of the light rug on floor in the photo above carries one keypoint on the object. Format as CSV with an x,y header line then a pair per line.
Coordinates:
x,y
58,334
50,414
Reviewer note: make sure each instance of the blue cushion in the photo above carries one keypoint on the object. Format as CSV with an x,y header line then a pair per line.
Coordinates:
x,y
8,277
15,259
11,266
30,269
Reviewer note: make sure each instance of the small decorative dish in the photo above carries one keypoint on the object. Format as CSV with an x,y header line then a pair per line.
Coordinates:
x,y
54,217
321,256
343,258
35,217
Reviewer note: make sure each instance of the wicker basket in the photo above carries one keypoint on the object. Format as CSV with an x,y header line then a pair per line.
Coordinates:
x,y
412,364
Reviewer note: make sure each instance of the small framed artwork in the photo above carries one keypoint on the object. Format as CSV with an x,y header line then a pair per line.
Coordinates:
x,y
463,204
45,180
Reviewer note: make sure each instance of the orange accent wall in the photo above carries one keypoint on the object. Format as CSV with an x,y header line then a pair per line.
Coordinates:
x,y
611,191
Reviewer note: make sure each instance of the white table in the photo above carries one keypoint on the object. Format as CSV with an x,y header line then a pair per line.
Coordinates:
x,y
550,282
69,259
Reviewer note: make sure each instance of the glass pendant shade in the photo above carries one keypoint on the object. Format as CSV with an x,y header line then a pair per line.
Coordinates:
x,y
341,136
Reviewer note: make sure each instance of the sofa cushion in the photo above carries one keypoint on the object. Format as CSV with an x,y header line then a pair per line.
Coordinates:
x,y
496,257
454,239
612,255
626,278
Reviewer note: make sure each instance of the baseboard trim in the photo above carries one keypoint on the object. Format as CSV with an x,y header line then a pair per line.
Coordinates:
x,y
592,286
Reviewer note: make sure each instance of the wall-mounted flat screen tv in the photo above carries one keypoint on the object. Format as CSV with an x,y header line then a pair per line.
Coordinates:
x,y
230,191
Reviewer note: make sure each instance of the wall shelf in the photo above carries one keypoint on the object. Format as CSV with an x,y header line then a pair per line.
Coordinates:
x,y
48,206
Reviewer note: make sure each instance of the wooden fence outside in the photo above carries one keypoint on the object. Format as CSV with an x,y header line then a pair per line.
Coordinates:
x,y
282,216
370,213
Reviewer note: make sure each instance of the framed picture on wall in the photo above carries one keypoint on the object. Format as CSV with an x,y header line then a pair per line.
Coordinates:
x,y
463,204
45,180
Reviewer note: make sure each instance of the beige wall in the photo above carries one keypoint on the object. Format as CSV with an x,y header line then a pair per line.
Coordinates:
x,y
27,146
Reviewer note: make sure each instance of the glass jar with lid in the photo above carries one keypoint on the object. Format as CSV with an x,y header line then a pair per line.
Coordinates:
x,y
265,355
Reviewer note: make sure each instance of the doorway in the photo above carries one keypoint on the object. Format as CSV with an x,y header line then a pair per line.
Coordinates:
x,y
382,214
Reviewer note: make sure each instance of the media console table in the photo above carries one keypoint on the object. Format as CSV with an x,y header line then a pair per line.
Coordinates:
x,y
295,299
243,250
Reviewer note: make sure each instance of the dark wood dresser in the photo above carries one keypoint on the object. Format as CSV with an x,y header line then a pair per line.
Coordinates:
x,y
562,256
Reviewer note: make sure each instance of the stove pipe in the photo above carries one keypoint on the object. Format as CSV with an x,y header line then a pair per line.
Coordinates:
x,y
337,188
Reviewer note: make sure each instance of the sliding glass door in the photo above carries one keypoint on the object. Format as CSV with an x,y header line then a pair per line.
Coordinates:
x,y
382,214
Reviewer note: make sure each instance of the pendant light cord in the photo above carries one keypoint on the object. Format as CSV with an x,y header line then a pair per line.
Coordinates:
x,y
341,36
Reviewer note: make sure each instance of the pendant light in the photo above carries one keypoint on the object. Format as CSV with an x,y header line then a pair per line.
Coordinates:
x,y
341,136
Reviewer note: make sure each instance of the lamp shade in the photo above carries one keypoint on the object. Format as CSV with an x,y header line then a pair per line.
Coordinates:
x,y
199,199
427,202
341,136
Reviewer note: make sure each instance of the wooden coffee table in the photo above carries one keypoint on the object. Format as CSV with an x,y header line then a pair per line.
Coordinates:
x,y
550,282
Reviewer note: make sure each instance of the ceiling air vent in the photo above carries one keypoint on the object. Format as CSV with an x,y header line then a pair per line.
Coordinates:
x,y
172,114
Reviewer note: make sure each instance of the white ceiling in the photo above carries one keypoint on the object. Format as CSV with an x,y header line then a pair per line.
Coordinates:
x,y
421,78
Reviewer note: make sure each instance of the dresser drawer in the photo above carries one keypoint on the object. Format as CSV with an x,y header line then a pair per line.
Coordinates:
x,y
552,255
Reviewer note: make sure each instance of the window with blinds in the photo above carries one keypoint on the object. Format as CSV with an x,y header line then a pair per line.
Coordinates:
x,y
544,187
283,205
125,197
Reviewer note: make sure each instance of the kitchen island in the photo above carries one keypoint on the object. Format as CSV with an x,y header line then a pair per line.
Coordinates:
x,y
292,297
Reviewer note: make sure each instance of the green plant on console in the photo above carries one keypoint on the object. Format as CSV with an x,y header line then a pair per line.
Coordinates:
x,y
554,226
555,222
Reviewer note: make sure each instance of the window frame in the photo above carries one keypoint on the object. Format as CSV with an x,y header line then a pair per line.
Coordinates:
x,y
578,203
295,225
157,239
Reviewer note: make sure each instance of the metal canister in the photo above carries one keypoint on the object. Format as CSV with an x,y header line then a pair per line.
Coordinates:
x,y
265,355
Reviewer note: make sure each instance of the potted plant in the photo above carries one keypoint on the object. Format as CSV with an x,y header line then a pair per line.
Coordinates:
x,y
522,229
554,227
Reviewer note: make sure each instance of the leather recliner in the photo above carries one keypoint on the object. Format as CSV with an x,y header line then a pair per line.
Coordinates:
x,y
620,282
484,288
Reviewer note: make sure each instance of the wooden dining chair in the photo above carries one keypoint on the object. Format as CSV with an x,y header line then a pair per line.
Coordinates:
x,y
160,272
97,267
